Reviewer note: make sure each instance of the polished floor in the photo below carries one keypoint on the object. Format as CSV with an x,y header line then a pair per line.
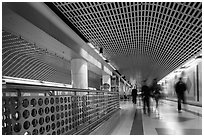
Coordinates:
x,y
162,121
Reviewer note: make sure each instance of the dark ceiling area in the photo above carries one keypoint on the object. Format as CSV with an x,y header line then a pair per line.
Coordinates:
x,y
142,39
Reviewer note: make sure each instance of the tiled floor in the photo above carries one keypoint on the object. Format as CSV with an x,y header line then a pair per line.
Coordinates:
x,y
125,122
164,121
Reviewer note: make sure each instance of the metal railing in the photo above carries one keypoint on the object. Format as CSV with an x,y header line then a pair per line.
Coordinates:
x,y
43,110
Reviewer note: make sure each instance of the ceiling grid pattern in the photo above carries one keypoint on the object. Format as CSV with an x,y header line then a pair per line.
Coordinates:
x,y
164,34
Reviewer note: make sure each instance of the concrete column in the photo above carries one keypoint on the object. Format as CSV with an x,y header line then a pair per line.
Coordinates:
x,y
118,84
124,88
107,79
79,73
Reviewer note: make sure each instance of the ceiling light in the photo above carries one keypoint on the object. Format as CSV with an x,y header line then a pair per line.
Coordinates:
x,y
112,66
91,45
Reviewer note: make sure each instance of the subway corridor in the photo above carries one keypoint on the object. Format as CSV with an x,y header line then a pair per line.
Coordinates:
x,y
165,121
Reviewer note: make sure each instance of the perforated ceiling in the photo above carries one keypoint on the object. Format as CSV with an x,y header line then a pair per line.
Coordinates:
x,y
142,39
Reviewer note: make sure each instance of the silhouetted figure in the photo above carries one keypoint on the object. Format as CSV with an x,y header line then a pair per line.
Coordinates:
x,y
180,89
134,95
125,96
155,89
146,97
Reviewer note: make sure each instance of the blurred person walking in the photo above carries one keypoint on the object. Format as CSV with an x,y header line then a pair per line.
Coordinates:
x,y
155,89
146,97
180,89
134,95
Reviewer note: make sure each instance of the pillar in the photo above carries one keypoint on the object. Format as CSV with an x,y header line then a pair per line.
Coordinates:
x,y
107,79
119,84
79,73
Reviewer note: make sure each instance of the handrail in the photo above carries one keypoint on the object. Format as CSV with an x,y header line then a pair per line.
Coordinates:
x,y
9,85
55,114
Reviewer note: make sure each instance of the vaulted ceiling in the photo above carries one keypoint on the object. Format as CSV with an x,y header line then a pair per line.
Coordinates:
x,y
141,39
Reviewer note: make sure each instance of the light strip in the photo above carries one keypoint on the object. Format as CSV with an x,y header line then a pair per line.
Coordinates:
x,y
96,51
102,56
33,82
179,70
189,63
90,59
112,66
91,45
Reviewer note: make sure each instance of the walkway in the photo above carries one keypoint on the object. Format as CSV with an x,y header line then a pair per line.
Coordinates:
x,y
165,121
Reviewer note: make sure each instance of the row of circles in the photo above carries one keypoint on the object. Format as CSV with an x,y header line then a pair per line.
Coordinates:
x,y
27,124
40,111
33,102
26,113
77,119
52,109
35,122
53,126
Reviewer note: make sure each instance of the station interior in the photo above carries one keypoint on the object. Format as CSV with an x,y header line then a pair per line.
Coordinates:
x,y
69,68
